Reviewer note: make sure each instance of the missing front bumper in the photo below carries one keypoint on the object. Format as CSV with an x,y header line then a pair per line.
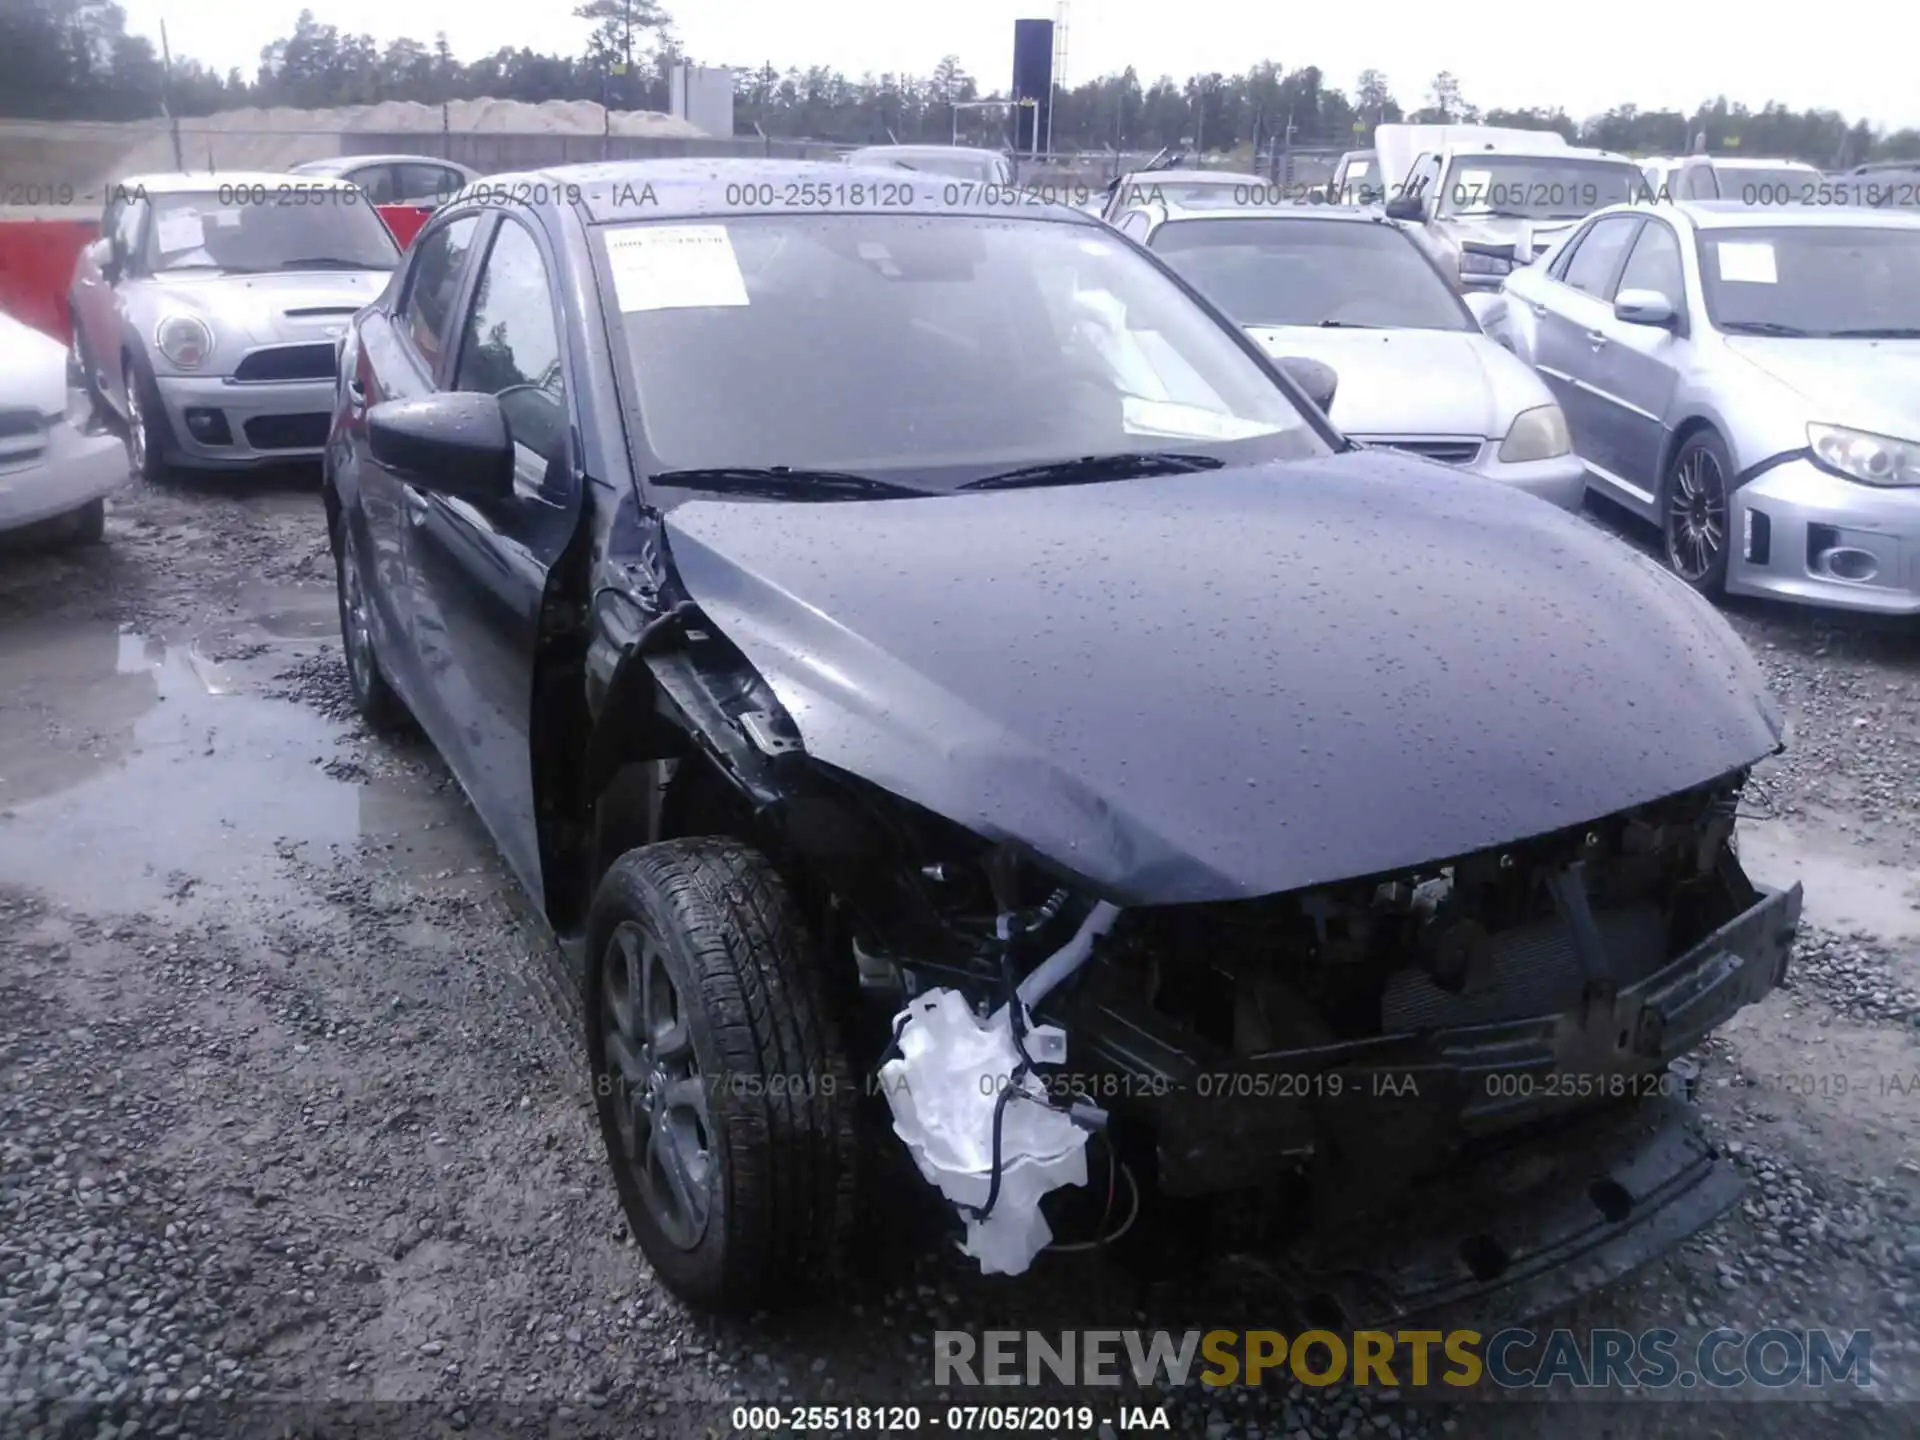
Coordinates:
x,y
1540,1222
1370,1117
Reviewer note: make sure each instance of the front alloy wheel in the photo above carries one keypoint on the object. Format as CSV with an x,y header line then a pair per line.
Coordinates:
x,y
145,416
376,700
658,1100
726,1101
1694,519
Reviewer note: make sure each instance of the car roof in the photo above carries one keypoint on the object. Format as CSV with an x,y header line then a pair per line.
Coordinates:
x,y
626,190
1527,150
200,182
1188,177
970,150
1757,162
333,164
1351,214
1732,214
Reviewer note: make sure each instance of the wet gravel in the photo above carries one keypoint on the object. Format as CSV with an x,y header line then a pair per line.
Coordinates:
x,y
326,1140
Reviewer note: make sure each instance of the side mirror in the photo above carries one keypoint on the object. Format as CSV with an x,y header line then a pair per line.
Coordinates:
x,y
1406,207
1488,307
1644,307
1319,380
455,442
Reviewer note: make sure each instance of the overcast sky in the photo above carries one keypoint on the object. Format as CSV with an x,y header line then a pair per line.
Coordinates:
x,y
1653,53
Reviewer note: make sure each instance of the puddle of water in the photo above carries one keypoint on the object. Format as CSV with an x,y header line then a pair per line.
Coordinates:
x,y
1845,890
130,767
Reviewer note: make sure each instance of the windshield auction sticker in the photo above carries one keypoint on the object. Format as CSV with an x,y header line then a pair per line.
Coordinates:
x,y
1746,263
674,267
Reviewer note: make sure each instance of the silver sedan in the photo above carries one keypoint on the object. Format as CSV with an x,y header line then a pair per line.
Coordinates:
x,y
1748,379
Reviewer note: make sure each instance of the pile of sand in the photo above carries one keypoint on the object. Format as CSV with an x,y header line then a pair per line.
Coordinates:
x,y
279,137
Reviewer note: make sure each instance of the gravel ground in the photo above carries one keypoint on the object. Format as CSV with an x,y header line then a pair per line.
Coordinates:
x,y
292,1117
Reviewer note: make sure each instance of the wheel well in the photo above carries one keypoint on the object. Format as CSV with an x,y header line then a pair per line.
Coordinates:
x,y
332,503
1688,429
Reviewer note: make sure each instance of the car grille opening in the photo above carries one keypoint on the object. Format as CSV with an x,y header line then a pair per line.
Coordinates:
x,y
288,432
23,436
1447,451
288,362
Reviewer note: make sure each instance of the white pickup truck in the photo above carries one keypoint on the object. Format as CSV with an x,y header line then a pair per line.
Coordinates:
x,y
1485,199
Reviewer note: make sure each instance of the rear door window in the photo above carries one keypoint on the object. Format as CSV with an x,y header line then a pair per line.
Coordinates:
x,y
426,184
377,181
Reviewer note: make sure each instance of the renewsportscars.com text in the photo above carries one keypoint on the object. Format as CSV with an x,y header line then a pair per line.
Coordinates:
x,y
1771,1359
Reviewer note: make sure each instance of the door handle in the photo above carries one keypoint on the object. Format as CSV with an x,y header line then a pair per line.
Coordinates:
x,y
1537,307
356,396
416,505
1596,339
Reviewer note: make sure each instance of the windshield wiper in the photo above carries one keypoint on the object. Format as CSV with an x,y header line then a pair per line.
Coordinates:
x,y
1090,469
1764,327
784,482
1877,332
1348,325
1495,215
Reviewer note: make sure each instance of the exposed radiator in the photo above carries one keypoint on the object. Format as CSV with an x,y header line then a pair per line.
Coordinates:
x,y
1530,971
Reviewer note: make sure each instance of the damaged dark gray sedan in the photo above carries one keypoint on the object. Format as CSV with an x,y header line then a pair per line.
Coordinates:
x,y
937,675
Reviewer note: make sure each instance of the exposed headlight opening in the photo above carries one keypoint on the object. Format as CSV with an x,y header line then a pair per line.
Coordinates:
x,y
1863,456
1537,434
185,341
1474,263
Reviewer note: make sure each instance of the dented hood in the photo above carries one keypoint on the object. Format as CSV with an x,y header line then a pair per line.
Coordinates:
x,y
1232,683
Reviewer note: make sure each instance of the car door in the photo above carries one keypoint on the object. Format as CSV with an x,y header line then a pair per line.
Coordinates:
x,y
401,356
97,299
1568,338
89,299
479,569
1636,371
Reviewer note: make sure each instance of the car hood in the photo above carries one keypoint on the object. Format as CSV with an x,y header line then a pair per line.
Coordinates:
x,y
1868,384
262,309
1233,683
1414,382
33,368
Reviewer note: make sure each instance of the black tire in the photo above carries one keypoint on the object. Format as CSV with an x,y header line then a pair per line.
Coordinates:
x,y
758,1092
377,701
1696,496
88,525
148,434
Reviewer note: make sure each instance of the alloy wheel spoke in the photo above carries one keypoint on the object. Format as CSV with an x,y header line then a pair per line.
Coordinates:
x,y
671,1161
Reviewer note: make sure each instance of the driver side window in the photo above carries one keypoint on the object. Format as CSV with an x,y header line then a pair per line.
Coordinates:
x,y
510,347
439,258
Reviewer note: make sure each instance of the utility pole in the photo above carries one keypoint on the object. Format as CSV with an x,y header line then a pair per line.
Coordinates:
x,y
166,97
626,40
1058,79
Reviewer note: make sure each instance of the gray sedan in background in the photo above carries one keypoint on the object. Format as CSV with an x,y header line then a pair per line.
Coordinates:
x,y
419,180
1344,286
1747,378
